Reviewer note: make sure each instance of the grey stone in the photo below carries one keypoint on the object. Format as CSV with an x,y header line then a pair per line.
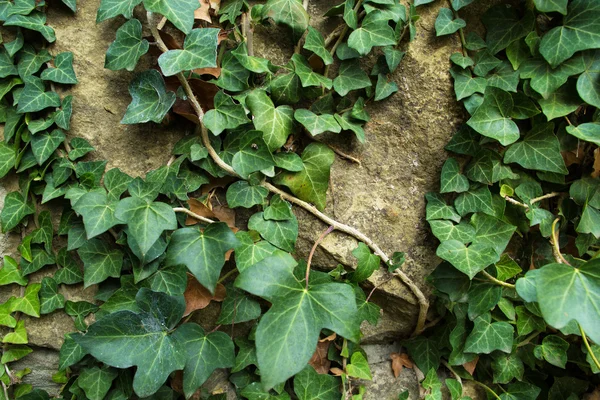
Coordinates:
x,y
43,364
384,385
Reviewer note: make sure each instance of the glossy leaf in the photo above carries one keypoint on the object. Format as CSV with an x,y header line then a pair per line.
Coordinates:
x,y
199,51
127,48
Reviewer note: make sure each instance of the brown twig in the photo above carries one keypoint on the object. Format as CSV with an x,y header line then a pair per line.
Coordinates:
x,y
193,215
555,245
497,281
312,253
544,197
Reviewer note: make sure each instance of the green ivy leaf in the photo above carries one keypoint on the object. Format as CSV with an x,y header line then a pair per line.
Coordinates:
x,y
288,12
282,234
309,385
7,159
521,391
205,353
251,153
116,182
36,21
285,89
225,115
554,350
350,77
15,209
146,220
590,132
446,230
425,352
135,333
588,83
237,306
180,12
482,297
374,31
70,273
203,253
248,252
34,98
367,263
504,77
100,262
539,150
317,124
98,213
17,336
507,367
39,260
10,273
50,298
17,44
451,178
44,144
464,83
547,6
492,232
28,304
278,209
527,322
234,77
96,382
306,74
477,199
242,194
62,72
15,353
62,117
445,24
127,48
565,293
487,337
288,333
349,124
311,183
461,61
384,88
171,280
257,65
359,367
79,148
199,51
470,260
112,8
438,209
150,99
504,25
492,118
579,32
275,123
546,79
562,102
314,42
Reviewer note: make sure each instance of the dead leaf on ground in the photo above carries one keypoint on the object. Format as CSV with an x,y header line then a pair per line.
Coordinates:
x,y
319,360
225,214
399,361
336,371
184,108
470,366
216,72
198,297
329,338
203,13
205,92
199,208
596,167
216,183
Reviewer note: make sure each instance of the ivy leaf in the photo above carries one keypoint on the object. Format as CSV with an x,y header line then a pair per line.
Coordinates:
x,y
359,367
350,77
238,307
278,209
63,70
446,230
127,48
288,12
349,124
310,385
492,118
15,353
521,391
203,253
311,183
547,6
251,152
317,124
50,298
554,350
30,303
246,355
424,351
34,98
134,333
285,88
100,262
225,115
590,132
36,21
545,79
384,88
477,199
112,8
469,260
7,159
527,322
257,65
306,74
79,148
367,263
482,297
248,253
15,209
314,42
146,220
451,178
96,382
445,24
98,213
492,232
275,123
242,194
150,99
44,144
234,76
17,44
588,83
438,209
282,234
39,260
487,337
579,32
10,273
539,150
507,367
205,353
18,336
199,51
565,293
31,61
288,333
374,31
180,12
504,25
62,117
464,83
288,161
393,57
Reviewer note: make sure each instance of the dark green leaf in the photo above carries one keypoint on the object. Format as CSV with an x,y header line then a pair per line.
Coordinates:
x,y
127,48
199,50
150,99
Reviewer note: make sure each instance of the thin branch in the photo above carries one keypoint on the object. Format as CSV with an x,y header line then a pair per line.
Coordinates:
x,y
334,34
544,197
305,4
5,389
227,275
528,339
486,387
312,253
161,24
497,281
380,284
515,202
588,347
193,215
456,376
555,245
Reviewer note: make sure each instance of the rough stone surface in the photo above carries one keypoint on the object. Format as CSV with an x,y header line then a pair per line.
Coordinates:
x,y
42,363
384,385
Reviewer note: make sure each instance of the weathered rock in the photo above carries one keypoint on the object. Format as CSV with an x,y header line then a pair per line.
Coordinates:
x,y
384,385
43,364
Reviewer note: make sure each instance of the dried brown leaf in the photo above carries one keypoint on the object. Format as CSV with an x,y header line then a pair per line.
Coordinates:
x,y
336,371
399,361
201,209
198,297
470,366
319,360
203,13
596,172
224,214
216,72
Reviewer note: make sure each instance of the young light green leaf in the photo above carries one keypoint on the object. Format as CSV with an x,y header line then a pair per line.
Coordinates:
x,y
275,123
10,273
150,99
199,51
367,263
310,385
30,303
17,336
127,48
62,72
446,230
359,367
